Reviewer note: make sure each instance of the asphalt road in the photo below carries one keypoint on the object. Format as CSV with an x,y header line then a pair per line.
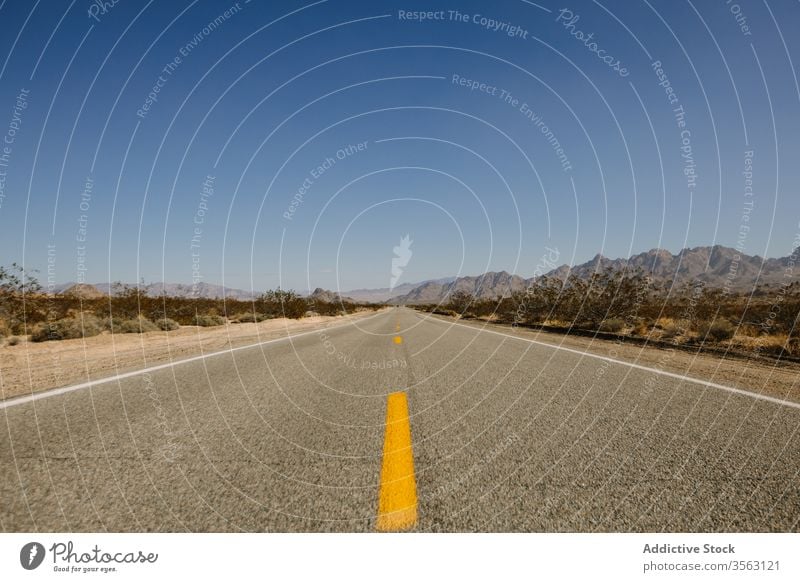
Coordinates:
x,y
507,435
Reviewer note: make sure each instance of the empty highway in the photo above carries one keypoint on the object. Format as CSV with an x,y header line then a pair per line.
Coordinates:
x,y
485,432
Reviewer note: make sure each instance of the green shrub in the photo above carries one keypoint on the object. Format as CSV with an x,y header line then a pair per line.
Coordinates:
x,y
209,320
138,325
167,324
67,328
717,330
612,325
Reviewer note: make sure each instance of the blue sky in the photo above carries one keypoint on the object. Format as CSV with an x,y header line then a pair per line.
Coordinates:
x,y
277,96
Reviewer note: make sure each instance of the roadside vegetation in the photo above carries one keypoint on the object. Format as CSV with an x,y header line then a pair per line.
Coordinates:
x,y
25,310
629,305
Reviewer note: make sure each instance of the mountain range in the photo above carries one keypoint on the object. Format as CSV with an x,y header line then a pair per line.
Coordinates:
x,y
202,289
715,266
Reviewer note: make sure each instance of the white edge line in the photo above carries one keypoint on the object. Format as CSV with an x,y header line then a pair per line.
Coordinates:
x,y
16,401
682,377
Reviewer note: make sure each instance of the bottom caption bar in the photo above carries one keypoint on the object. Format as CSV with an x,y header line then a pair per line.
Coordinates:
x,y
33,556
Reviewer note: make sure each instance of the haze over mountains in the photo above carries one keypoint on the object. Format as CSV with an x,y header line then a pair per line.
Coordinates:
x,y
713,266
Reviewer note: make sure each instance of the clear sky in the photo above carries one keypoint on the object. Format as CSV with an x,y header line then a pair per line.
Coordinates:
x,y
259,144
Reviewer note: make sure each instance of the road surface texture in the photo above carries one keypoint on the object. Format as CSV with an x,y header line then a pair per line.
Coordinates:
x,y
507,435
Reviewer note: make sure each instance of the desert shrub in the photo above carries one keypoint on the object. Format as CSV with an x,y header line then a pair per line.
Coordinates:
x,y
138,325
673,329
717,330
771,345
662,323
330,308
110,324
748,330
460,301
167,324
20,301
793,346
209,320
279,303
67,328
5,329
249,317
13,340
789,317
441,311
484,307
88,325
612,325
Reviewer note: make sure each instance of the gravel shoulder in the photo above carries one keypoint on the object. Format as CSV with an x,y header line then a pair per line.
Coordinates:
x,y
30,367
774,378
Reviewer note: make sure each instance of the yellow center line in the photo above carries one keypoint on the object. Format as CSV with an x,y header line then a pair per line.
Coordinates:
x,y
397,503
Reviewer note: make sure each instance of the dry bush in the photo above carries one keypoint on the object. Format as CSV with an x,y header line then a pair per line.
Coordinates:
x,y
747,330
67,328
167,324
717,330
279,303
249,317
111,324
793,346
460,301
674,329
662,322
209,320
775,345
138,325
612,325
442,311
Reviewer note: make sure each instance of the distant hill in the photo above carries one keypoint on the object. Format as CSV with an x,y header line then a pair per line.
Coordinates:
x,y
385,293
82,291
488,286
709,265
202,290
325,296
